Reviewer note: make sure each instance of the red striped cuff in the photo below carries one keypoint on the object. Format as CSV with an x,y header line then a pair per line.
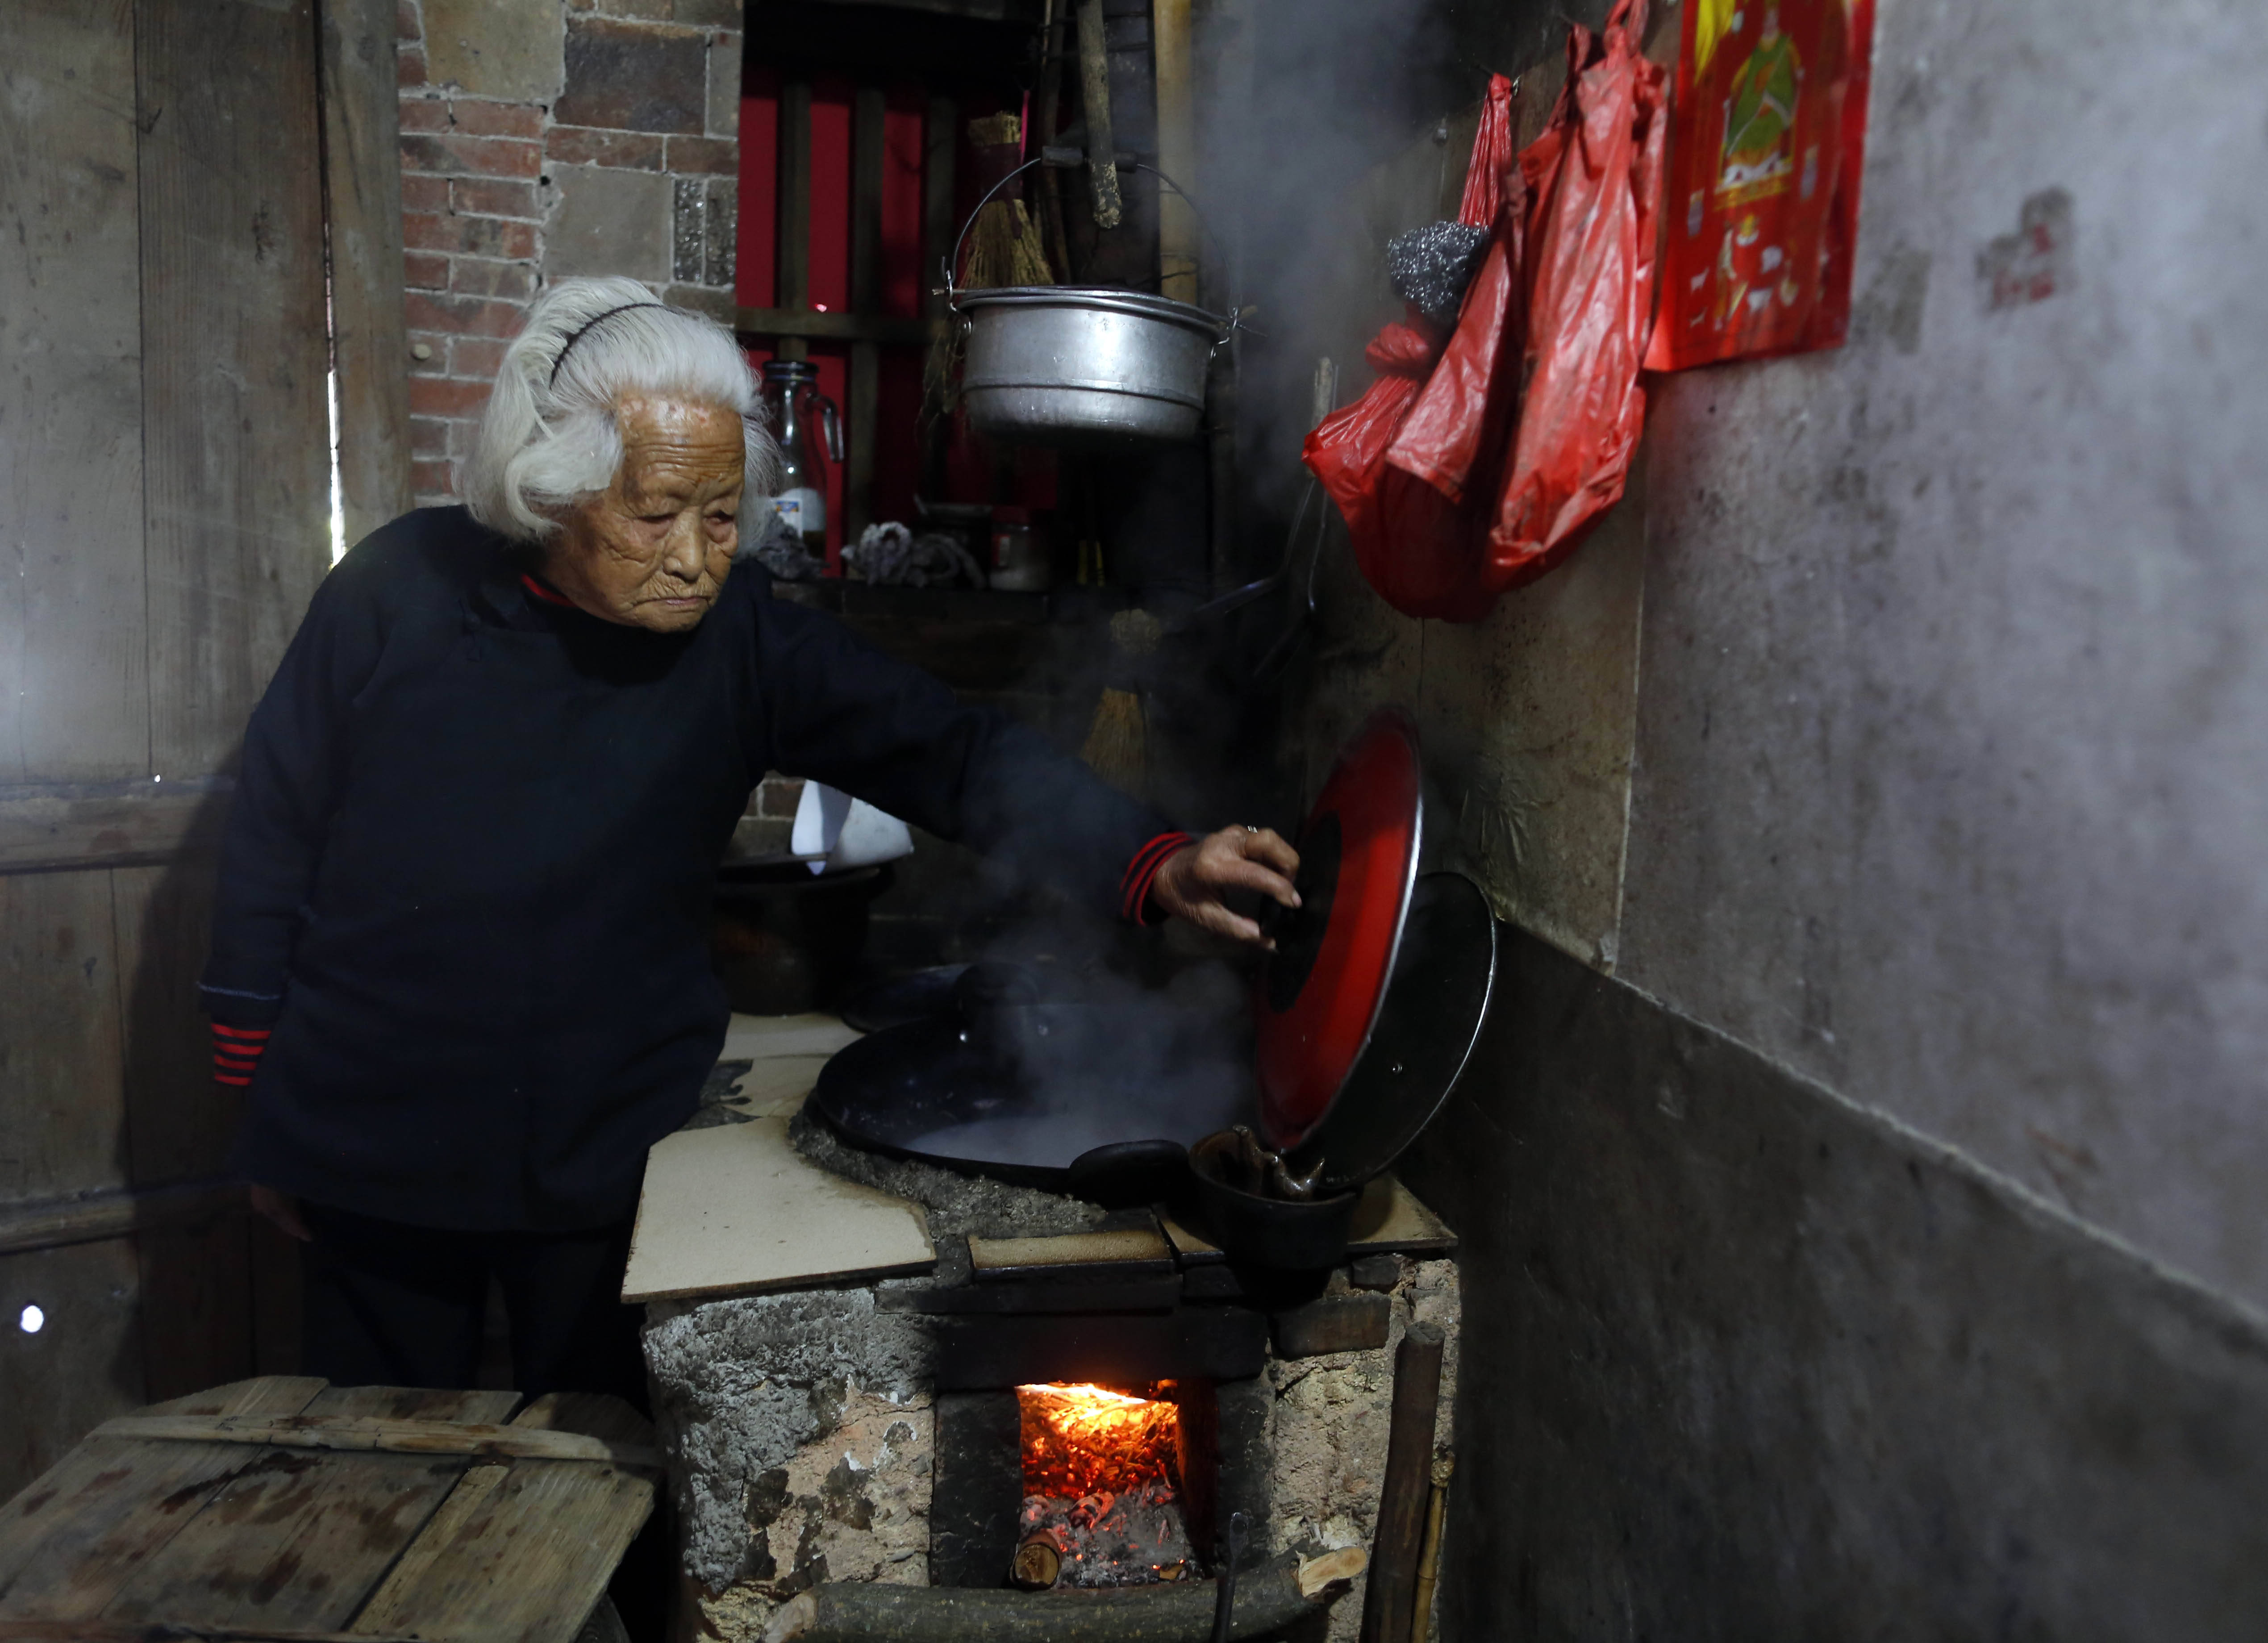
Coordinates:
x,y
1134,887
544,591
236,1053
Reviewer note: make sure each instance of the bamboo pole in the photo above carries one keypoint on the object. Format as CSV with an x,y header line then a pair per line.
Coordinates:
x,y
1387,1598
1177,226
1429,1559
1095,93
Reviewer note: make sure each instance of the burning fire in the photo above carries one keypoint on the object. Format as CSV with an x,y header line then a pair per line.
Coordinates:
x,y
1082,1441
1102,1483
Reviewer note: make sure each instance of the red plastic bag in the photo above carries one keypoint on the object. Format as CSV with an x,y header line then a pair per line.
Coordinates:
x,y
1596,180
1462,488
1412,463
1346,451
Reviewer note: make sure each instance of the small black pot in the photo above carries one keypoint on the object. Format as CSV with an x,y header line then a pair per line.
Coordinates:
x,y
784,939
1254,1231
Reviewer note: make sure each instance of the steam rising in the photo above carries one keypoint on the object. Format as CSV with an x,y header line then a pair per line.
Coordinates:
x,y
1121,1062
1300,101
1311,95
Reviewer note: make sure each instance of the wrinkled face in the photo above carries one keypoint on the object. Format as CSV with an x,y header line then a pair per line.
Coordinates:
x,y
652,550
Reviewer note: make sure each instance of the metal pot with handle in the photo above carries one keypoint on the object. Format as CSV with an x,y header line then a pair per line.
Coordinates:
x,y
1081,364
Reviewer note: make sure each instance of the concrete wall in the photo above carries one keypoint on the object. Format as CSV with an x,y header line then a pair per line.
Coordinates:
x,y
1864,1170
1952,760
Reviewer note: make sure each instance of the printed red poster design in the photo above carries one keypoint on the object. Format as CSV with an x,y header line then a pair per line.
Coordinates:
x,y
1766,147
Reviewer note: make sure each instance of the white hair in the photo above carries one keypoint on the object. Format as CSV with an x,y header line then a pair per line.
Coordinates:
x,y
549,438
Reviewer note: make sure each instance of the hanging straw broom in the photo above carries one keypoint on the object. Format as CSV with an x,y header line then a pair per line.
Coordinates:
x,y
1003,249
1118,740
1003,242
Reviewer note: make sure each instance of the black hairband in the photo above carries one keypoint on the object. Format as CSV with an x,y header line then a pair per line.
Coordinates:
x,y
608,314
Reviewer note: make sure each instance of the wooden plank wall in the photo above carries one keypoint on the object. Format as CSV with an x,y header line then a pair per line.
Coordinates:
x,y
362,186
165,503
70,464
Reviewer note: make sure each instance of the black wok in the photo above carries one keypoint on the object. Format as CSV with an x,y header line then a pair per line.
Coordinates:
x,y
1101,1099
1093,1099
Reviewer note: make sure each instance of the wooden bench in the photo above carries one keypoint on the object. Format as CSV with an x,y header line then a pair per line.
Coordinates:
x,y
284,1508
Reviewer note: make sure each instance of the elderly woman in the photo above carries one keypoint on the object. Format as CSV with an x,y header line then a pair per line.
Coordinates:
x,y
460,954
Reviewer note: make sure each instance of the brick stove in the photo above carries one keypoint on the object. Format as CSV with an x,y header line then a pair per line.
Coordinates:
x,y
871,1430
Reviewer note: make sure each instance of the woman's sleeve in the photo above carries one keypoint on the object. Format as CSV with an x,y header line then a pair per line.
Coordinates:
x,y
842,712
286,786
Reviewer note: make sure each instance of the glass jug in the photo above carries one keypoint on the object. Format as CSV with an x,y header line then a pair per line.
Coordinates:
x,y
809,431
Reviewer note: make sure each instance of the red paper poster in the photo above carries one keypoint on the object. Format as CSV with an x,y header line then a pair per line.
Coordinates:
x,y
1767,136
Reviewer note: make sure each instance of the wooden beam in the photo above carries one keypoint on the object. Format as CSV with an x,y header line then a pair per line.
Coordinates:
x,y
1094,97
940,146
1388,1602
1269,1600
1177,224
74,703
848,328
362,198
59,1222
975,11
100,1630
1046,111
792,288
865,387
236,481
109,824
63,1074
866,140
866,146
370,1434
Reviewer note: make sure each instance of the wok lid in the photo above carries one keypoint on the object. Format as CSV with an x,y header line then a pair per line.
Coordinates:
x,y
1424,1035
1320,991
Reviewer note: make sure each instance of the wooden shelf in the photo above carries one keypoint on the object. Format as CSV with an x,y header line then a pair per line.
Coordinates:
x,y
846,597
842,328
1024,11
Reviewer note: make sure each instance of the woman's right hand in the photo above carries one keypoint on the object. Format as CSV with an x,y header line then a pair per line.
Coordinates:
x,y
284,1209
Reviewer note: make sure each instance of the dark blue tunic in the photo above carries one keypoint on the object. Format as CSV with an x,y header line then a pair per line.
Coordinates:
x,y
467,870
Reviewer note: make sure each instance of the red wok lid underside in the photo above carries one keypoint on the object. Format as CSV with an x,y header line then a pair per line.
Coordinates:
x,y
1309,1042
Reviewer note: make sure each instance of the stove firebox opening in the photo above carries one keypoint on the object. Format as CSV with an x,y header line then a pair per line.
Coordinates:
x,y
1108,1476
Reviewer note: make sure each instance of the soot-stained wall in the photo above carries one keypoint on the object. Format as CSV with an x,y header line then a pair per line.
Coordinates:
x,y
1745,1361
1860,1176
1952,760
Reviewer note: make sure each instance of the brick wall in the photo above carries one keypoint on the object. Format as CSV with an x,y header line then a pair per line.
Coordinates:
x,y
543,138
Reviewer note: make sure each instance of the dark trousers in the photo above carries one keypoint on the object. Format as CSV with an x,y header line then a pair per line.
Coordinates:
x,y
392,1305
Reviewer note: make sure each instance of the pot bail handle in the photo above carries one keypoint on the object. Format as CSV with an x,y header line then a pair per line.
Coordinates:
x,y
1231,322
962,238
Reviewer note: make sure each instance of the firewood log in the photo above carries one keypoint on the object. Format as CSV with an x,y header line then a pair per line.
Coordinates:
x,y
1037,1564
1268,1599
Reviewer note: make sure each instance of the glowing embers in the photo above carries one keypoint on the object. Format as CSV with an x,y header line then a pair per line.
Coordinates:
x,y
1102,1485
1079,1439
